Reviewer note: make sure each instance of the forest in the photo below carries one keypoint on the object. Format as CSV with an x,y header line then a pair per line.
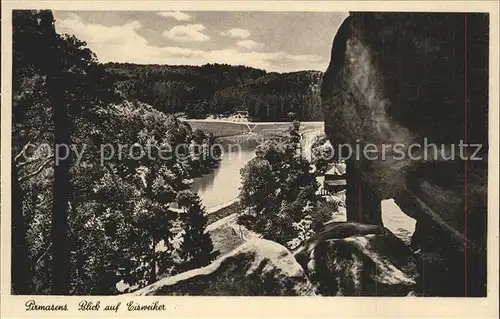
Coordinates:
x,y
81,225
221,89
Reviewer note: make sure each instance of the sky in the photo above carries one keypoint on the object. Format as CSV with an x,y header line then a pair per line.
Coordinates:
x,y
274,41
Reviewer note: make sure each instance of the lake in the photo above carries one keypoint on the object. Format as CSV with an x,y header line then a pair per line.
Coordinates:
x,y
222,185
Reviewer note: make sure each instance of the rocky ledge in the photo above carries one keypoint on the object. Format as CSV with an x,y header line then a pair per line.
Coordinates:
x,y
345,258
351,259
258,267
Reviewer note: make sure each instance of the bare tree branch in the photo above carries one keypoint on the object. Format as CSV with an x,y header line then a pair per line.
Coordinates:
x,y
38,171
40,257
16,158
32,161
22,151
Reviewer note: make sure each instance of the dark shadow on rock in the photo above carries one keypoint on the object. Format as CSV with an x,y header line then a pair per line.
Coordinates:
x,y
350,259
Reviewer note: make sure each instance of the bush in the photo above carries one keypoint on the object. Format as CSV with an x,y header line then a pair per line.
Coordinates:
x,y
278,190
324,212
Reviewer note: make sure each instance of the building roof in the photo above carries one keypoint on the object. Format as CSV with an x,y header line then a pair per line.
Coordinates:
x,y
336,182
336,169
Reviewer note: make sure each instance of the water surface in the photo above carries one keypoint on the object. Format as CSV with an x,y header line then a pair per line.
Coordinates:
x,y
222,185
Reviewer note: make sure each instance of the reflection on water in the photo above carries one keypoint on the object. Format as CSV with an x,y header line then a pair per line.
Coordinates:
x,y
222,185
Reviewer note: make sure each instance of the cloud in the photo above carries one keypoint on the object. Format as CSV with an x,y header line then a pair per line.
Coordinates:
x,y
249,44
123,43
236,33
177,15
100,34
187,33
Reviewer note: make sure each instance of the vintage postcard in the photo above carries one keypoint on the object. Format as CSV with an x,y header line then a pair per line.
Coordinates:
x,y
162,158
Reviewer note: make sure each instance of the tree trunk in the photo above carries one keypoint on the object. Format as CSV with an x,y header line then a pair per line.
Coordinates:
x,y
60,246
152,278
20,264
363,206
61,187
60,241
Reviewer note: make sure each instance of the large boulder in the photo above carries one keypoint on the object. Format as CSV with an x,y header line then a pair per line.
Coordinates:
x,y
417,79
259,267
351,259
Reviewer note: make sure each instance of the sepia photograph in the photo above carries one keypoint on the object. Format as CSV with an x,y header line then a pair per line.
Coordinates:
x,y
248,153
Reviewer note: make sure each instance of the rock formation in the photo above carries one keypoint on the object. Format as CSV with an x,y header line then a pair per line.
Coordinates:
x,y
344,259
405,78
351,259
259,267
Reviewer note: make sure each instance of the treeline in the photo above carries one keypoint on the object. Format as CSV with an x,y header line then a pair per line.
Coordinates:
x,y
80,224
221,89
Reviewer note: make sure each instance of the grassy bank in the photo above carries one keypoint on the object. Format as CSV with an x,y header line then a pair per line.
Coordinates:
x,y
220,129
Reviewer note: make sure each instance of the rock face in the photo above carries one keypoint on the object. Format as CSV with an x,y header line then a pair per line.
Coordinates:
x,y
350,259
257,268
417,79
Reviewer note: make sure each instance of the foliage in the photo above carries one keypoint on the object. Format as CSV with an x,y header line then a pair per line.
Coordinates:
x,y
120,221
305,231
321,153
222,89
278,189
324,212
196,249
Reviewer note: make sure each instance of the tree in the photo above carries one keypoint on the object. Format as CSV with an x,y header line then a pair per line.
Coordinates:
x,y
62,186
196,249
127,209
277,188
32,28
26,78
62,95
321,154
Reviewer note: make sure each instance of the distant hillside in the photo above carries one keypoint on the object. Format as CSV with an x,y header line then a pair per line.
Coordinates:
x,y
199,91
